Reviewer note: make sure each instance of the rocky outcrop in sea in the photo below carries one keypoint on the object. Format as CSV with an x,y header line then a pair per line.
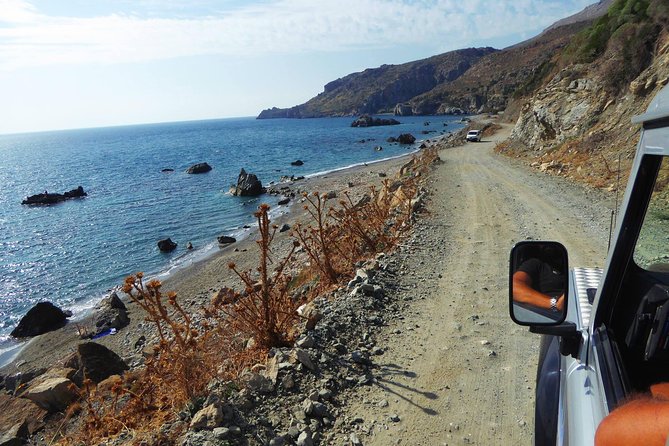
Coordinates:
x,y
369,121
248,185
46,198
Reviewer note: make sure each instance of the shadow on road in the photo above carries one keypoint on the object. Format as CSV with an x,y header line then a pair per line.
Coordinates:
x,y
384,379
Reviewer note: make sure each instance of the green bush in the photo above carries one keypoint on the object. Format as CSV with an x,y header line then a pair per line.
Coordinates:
x,y
590,43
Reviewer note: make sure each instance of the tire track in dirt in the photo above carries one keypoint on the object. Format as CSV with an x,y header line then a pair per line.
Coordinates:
x,y
456,369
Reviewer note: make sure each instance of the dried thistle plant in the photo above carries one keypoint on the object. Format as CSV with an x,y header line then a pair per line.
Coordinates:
x,y
266,311
319,240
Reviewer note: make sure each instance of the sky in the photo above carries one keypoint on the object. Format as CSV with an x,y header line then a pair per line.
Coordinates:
x,y
93,63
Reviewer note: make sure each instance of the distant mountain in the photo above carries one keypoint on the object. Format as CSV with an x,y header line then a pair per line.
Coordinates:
x,y
462,81
380,90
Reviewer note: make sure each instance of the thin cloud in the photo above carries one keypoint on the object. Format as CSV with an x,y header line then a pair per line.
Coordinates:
x,y
29,38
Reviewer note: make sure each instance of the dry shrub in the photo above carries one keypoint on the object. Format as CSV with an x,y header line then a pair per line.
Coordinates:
x,y
319,239
340,237
266,310
177,371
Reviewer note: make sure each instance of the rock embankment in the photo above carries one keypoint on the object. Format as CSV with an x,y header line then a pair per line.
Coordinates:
x,y
298,398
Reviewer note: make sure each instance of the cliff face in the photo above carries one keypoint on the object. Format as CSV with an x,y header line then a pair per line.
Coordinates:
x,y
577,121
491,83
378,90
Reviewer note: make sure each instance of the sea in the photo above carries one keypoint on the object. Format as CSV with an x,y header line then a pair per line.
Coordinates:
x,y
73,253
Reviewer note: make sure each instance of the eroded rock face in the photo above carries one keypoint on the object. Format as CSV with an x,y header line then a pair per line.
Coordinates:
x,y
559,111
403,110
41,318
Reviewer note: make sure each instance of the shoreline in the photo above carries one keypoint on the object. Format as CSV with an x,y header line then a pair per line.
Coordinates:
x,y
195,281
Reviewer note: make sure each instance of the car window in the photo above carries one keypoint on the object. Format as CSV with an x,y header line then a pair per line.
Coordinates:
x,y
652,248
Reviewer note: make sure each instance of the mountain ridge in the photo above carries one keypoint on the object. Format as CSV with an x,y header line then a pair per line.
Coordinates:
x,y
442,84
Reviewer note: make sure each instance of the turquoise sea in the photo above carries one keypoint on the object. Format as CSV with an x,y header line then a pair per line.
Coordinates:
x,y
72,253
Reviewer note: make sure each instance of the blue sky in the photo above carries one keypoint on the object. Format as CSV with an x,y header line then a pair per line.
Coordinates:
x,y
89,63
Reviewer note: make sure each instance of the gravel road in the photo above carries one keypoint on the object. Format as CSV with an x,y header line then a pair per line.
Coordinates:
x,y
456,370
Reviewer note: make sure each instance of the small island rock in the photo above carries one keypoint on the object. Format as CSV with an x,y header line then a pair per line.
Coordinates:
x,y
297,163
199,168
47,198
368,121
406,138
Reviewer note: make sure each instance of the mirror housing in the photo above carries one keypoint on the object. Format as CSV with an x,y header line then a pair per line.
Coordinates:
x,y
538,283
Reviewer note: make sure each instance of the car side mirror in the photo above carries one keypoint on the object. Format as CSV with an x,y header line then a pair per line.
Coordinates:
x,y
538,283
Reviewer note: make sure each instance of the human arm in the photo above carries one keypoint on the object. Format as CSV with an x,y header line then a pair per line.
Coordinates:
x,y
643,421
524,293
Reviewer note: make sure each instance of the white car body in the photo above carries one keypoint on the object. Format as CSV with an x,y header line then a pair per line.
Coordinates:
x,y
474,135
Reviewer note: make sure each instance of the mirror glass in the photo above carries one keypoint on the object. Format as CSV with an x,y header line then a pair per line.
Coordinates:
x,y
538,283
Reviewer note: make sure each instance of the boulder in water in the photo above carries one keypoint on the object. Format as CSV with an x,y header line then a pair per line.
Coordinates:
x,y
166,245
247,185
199,168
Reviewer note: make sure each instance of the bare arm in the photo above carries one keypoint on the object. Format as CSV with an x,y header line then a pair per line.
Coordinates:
x,y
524,293
642,421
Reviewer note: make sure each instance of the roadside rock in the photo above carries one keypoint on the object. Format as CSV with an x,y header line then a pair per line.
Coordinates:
x,y
41,318
198,168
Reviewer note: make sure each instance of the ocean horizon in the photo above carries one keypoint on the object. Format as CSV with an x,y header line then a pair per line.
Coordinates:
x,y
74,252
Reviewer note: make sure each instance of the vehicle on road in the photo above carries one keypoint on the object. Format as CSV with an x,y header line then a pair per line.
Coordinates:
x,y
474,135
605,332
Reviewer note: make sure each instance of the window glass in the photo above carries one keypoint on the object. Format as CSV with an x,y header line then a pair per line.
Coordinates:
x,y
652,248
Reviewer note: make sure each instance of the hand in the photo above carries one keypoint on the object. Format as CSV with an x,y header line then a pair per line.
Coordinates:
x,y
560,303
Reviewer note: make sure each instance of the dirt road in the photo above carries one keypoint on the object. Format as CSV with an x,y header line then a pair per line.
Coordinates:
x,y
456,370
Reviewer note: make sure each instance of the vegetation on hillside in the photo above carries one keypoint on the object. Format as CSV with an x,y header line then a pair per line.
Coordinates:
x,y
625,36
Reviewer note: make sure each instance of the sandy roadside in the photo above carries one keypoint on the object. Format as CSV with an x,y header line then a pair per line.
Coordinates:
x,y
196,283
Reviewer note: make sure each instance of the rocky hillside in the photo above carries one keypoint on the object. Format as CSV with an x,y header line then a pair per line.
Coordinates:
x,y
464,81
378,90
576,122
